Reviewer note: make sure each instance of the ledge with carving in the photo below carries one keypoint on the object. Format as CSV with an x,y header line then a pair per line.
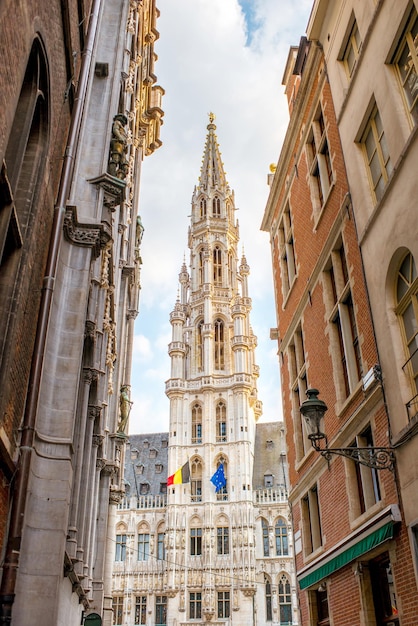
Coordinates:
x,y
95,236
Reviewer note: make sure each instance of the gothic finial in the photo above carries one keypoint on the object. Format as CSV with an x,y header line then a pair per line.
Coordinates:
x,y
211,118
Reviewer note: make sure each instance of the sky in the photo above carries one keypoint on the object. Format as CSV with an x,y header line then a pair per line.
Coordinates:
x,y
226,57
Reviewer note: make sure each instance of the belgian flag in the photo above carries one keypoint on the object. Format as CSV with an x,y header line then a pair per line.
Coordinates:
x,y
181,476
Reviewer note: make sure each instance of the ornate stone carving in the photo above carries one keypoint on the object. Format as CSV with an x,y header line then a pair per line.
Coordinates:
x,y
93,236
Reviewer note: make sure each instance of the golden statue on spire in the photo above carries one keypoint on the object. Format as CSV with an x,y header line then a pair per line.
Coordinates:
x,y
211,118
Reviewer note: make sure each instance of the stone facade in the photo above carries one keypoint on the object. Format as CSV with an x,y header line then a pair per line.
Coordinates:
x,y
81,110
338,215
221,556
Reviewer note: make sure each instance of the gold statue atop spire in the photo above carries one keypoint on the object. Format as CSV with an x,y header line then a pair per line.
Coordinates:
x,y
211,118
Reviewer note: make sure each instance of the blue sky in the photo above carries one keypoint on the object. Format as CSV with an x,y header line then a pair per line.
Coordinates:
x,y
227,57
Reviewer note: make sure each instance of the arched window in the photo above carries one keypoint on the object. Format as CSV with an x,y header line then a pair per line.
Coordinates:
x,y
222,536
219,345
280,533
196,480
216,206
269,615
222,494
202,207
217,266
407,310
200,347
265,533
201,269
161,543
197,423
20,181
221,421
285,600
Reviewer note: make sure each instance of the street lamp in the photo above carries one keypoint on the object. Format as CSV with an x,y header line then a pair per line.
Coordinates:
x,y
313,410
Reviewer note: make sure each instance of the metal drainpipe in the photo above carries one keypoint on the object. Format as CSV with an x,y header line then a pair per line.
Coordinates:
x,y
17,513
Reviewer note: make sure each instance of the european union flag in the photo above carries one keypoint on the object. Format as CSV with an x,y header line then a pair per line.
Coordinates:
x,y
218,479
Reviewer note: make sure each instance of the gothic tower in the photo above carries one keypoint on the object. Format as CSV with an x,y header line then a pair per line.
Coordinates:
x,y
210,535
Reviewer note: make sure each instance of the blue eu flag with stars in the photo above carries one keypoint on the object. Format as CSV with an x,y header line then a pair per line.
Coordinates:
x,y
218,479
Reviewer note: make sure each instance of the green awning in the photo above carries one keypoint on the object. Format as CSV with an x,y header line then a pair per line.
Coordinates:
x,y
353,552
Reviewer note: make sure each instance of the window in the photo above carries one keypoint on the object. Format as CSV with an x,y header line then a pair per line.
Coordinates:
x,y
160,610
221,421
344,335
202,207
269,614
406,62
158,468
117,608
160,546
216,205
143,547
197,423
200,347
219,345
280,533
144,489
120,554
376,154
153,453
367,483
195,541
139,469
195,605
223,540
222,494
287,251
223,604
319,161
163,487
311,521
352,49
414,539
265,533
201,272
285,600
196,481
217,266
141,610
20,179
320,605
407,311
297,375
384,596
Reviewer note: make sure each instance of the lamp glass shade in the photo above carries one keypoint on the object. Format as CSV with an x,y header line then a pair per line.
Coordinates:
x,y
313,411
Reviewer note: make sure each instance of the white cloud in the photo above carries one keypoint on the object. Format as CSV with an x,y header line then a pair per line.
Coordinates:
x,y
206,65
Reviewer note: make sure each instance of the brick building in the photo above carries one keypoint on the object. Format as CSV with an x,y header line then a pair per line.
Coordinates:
x,y
354,559
80,110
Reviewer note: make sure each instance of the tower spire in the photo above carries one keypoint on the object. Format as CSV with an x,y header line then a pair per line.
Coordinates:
x,y
212,173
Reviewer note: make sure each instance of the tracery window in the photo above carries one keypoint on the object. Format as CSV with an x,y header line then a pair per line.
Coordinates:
x,y
196,480
202,207
197,423
217,266
221,421
285,600
219,345
280,533
216,205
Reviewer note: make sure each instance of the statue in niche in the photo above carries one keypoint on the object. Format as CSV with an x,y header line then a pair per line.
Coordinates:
x,y
118,163
124,408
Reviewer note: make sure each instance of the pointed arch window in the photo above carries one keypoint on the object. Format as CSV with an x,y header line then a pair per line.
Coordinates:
x,y
202,207
196,480
280,533
269,614
407,311
197,423
20,181
285,600
216,207
200,347
219,345
217,266
221,421
201,268
222,494
265,534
